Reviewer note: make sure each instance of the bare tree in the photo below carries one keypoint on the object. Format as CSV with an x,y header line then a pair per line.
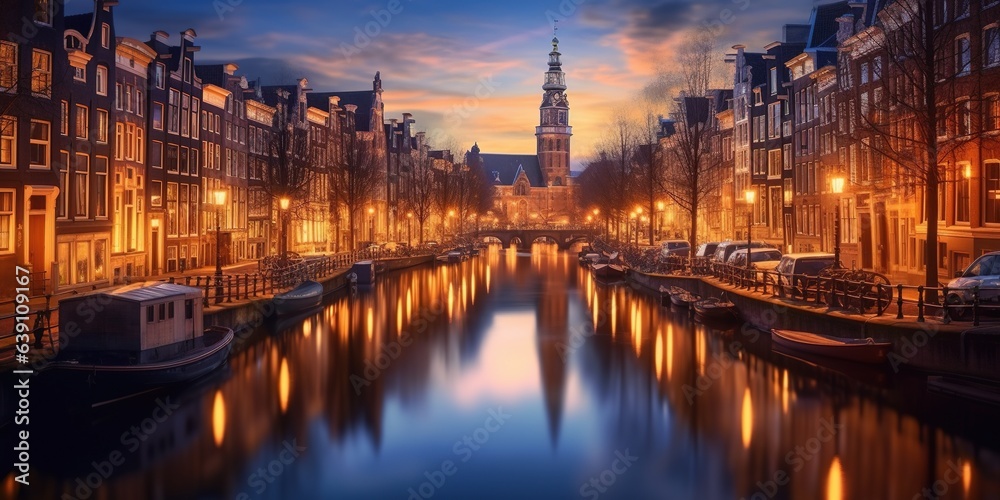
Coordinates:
x,y
288,169
420,197
356,179
649,161
915,106
696,58
691,174
618,149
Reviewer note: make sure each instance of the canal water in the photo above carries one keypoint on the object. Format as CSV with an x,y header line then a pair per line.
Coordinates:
x,y
515,375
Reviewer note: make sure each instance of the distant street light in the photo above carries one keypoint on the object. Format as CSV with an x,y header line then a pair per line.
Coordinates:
x,y
750,195
409,228
219,200
283,203
837,186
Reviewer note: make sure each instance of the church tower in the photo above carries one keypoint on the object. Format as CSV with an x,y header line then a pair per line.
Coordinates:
x,y
553,132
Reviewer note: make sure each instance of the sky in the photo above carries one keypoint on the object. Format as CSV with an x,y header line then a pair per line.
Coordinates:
x,y
468,71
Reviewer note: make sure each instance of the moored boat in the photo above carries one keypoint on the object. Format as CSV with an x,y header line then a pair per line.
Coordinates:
x,y
714,308
306,295
142,337
608,272
859,350
683,299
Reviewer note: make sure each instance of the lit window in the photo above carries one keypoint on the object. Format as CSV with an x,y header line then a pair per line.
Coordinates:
x,y
101,80
82,121
101,185
991,47
8,65
158,75
6,221
81,177
102,125
8,140
41,72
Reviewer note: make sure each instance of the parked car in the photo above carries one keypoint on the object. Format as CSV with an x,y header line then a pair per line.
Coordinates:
x,y
797,270
764,258
706,249
984,272
675,248
726,249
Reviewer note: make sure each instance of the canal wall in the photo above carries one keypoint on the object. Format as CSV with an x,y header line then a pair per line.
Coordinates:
x,y
246,315
932,346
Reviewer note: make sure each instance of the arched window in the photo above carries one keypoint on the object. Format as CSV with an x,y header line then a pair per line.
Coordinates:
x,y
520,189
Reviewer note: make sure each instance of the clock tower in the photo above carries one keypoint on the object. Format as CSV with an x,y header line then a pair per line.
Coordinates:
x,y
554,132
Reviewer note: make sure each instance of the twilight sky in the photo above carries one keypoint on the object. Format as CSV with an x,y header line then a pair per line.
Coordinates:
x,y
468,71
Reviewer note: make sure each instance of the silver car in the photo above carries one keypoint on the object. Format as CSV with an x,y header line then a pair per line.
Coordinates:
x,y
984,272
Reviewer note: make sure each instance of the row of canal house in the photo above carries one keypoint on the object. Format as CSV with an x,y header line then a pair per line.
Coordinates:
x,y
113,150
834,99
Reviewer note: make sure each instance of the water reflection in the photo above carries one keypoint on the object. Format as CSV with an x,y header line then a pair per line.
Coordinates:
x,y
378,387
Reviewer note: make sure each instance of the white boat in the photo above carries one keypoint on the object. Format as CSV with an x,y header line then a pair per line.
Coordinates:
x,y
305,296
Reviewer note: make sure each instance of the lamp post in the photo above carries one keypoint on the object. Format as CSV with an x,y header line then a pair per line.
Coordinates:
x,y
219,199
409,228
662,208
750,195
371,224
837,186
628,226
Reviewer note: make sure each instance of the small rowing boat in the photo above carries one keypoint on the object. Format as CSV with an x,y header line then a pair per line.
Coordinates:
x,y
860,350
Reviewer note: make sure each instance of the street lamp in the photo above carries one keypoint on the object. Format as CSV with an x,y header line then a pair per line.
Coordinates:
x,y
661,207
628,226
409,228
283,203
371,224
219,200
750,195
837,186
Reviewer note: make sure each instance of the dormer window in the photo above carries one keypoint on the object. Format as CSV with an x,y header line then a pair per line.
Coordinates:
x,y
188,70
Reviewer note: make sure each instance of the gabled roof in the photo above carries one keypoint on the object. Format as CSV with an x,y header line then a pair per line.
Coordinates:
x,y
824,25
508,166
363,99
79,22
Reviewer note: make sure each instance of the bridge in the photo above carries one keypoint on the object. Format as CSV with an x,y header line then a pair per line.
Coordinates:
x,y
523,238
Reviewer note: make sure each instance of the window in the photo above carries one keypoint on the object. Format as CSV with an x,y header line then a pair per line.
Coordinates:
x,y
172,208
62,200
139,145
156,193
991,47
156,154
158,75
864,73
41,72
102,125
787,156
991,182
139,102
158,116
101,80
39,147
64,118
6,221
963,55
119,140
185,115
118,96
8,66
8,141
188,309
150,314
187,70
81,176
964,118
774,163
992,118
962,195
171,160
129,141
184,163
195,110
101,185
82,121
173,112
43,12
774,81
